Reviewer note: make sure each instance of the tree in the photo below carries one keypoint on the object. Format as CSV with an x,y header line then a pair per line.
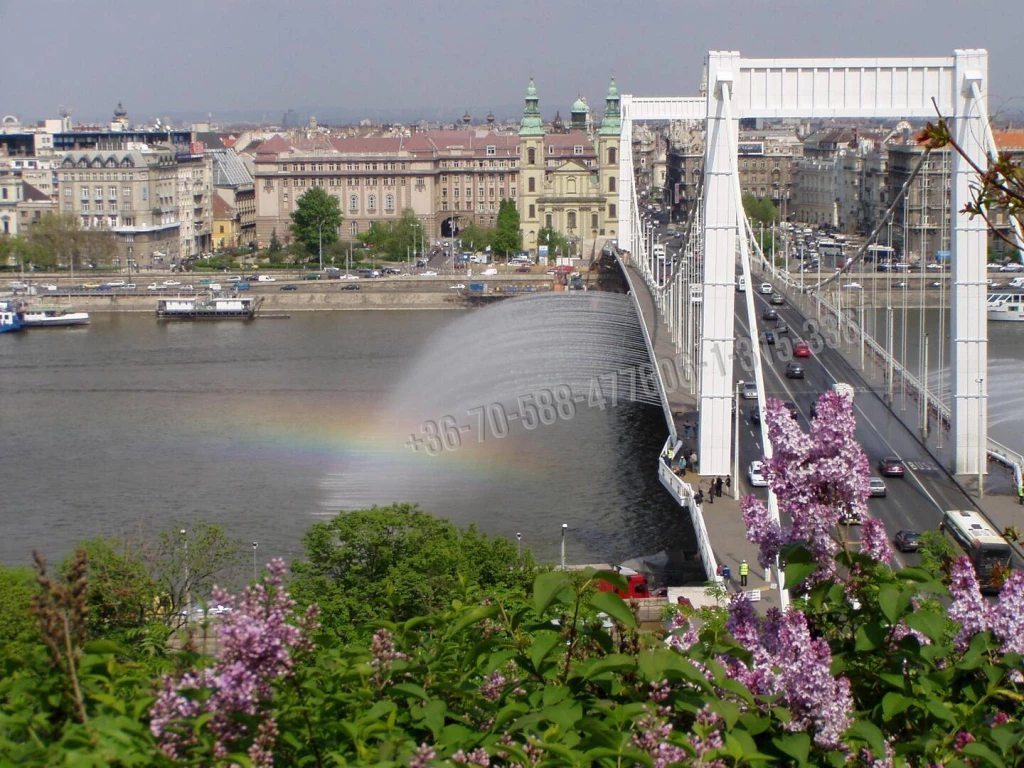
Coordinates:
x,y
506,238
760,209
397,562
58,239
476,238
554,240
18,630
120,593
317,214
275,244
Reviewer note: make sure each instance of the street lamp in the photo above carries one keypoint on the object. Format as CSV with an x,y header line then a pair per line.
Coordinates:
x,y
320,238
736,448
519,544
565,527
981,443
186,590
254,545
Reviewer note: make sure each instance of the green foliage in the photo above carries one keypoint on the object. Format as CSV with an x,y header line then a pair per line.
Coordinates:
x,y
760,209
58,240
476,238
18,630
555,241
397,239
275,244
316,219
396,563
506,237
120,594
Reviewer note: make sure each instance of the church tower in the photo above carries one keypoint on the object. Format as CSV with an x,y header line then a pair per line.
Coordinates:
x,y
531,167
608,160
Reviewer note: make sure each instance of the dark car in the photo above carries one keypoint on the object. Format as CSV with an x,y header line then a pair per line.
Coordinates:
x,y
777,300
791,407
891,466
288,287
794,371
523,268
755,415
781,327
350,287
908,541
770,314
769,337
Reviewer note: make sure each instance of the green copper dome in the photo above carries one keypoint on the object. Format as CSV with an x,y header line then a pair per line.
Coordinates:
x,y
611,125
579,105
531,124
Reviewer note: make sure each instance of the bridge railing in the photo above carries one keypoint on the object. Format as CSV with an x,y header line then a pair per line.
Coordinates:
x,y
683,493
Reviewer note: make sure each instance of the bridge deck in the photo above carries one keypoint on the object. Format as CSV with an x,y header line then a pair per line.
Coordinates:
x,y
722,516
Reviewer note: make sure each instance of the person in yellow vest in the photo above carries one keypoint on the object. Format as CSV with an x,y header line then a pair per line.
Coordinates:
x,y
744,571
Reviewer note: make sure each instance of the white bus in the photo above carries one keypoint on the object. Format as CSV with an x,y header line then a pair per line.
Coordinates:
x,y
880,254
831,248
989,552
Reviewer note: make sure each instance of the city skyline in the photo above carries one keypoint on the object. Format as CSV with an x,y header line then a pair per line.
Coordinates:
x,y
254,57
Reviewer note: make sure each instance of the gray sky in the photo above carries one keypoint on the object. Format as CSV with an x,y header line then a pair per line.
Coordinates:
x,y
437,59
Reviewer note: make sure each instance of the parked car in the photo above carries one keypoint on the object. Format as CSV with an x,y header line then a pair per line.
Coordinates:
x,y
755,474
891,466
876,486
794,371
348,277
907,540
801,349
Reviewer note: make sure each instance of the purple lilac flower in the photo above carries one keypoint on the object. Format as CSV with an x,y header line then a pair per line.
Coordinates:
x,y
681,641
651,735
1000,718
762,530
476,757
968,609
901,630
868,758
256,645
963,738
1007,617
491,690
874,542
707,737
422,757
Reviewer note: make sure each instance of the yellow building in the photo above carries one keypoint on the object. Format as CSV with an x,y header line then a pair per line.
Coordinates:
x,y
568,182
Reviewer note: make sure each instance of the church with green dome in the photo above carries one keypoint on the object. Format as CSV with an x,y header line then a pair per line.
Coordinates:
x,y
568,179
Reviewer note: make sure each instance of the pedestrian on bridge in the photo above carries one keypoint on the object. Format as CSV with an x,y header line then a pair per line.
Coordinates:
x,y
718,487
744,571
682,466
693,460
711,492
1020,494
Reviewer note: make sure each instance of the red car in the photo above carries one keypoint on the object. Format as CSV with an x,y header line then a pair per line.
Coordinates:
x,y
801,349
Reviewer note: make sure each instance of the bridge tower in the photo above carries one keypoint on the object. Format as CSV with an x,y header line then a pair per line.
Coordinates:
x,y
608,160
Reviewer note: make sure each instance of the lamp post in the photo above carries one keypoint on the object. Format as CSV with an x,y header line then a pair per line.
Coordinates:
x,y
981,443
185,587
254,545
736,449
519,545
320,239
565,527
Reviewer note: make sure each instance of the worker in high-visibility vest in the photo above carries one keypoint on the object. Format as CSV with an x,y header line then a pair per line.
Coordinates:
x,y
744,571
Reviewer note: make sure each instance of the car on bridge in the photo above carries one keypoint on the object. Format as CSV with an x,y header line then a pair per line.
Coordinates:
x,y
794,371
907,540
876,487
777,300
801,349
891,466
781,327
766,289
769,314
769,337
755,475
748,390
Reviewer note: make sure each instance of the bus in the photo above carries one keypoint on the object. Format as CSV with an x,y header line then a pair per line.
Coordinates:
x,y
880,254
988,551
830,248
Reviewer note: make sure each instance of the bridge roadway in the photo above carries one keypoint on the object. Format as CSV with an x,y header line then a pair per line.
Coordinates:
x,y
916,501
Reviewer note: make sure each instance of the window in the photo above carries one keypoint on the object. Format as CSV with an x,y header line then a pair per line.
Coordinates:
x,y
126,206
85,206
611,156
577,149
533,212
611,211
389,203
444,205
547,221
611,183
67,191
353,203
85,193
126,192
491,150
593,221
371,203
572,220
531,184
112,193
353,228
531,156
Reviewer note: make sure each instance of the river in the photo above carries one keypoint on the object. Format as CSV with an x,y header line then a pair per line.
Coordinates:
x,y
130,426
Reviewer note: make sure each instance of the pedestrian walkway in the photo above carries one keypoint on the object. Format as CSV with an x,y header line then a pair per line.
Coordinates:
x,y
722,517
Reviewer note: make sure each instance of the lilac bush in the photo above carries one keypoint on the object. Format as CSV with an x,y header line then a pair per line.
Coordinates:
x,y
256,647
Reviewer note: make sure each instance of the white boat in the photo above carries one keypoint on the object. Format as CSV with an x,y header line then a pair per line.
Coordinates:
x,y
51,317
1006,307
207,308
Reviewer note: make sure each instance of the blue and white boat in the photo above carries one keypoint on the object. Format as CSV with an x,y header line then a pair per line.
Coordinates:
x,y
11,320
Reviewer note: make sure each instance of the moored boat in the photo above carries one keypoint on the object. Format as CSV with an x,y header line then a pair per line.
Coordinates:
x,y
10,320
207,308
52,317
1006,307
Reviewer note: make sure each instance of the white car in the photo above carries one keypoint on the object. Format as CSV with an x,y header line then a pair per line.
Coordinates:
x,y
490,272
766,289
156,287
186,288
129,286
171,282
755,475
428,273
748,390
349,277
48,287
116,284
457,287
234,279
853,286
